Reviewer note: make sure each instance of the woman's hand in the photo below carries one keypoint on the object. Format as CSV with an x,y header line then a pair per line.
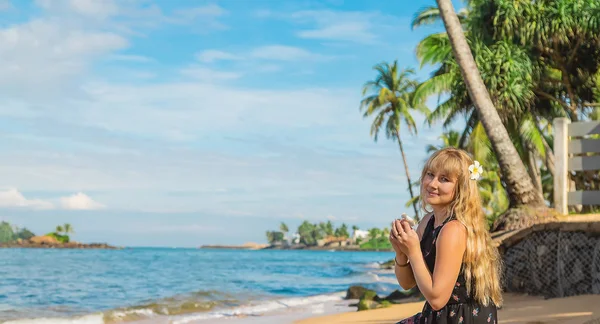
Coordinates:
x,y
410,239
404,239
395,238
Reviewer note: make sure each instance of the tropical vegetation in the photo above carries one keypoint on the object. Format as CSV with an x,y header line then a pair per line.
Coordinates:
x,y
508,68
11,233
61,233
311,234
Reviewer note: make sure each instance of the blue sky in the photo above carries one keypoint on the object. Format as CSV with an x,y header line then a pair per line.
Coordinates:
x,y
181,123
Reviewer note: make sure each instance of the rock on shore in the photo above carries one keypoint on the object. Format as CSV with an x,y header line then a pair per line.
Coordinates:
x,y
368,299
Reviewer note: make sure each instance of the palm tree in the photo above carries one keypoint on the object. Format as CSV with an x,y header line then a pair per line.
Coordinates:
x,y
390,99
270,236
521,189
283,228
59,229
374,236
67,228
431,14
450,138
506,69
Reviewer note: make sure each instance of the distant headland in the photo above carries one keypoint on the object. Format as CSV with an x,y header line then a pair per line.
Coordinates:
x,y
321,236
15,237
245,246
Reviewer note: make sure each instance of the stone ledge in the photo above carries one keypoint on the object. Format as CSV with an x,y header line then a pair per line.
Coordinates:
x,y
583,223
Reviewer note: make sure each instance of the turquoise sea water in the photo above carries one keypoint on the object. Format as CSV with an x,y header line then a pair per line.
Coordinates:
x,y
140,283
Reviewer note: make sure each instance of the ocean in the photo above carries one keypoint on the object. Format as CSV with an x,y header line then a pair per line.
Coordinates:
x,y
176,285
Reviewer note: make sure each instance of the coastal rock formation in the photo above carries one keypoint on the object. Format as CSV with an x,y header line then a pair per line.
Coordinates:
x,y
41,240
402,297
368,299
355,292
388,265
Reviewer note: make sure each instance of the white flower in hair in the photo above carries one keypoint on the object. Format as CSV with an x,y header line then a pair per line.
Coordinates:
x,y
476,170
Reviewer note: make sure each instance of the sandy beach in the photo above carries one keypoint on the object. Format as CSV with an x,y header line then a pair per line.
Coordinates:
x,y
518,309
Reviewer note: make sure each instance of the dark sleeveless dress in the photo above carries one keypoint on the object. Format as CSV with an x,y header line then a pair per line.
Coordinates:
x,y
461,308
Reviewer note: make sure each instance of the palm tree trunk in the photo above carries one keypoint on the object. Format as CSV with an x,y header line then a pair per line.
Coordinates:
x,y
549,160
407,176
534,172
522,192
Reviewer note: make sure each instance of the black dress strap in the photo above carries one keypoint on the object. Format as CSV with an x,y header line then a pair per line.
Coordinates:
x,y
451,217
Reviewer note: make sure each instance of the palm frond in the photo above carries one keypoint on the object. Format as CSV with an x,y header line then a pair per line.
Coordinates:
x,y
434,49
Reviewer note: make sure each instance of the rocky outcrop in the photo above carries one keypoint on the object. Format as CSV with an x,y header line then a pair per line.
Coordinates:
x,y
41,240
49,242
388,265
368,299
355,292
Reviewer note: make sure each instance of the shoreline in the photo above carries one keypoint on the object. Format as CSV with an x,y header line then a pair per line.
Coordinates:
x,y
70,245
304,248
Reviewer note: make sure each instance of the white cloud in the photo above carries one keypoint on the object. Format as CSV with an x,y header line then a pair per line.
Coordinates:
x,y
131,58
284,53
79,201
349,31
345,26
13,198
209,75
209,56
342,26
43,56
193,107
267,52
94,9
210,10
205,17
335,25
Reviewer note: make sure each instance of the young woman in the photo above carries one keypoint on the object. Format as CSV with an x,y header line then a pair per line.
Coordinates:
x,y
450,256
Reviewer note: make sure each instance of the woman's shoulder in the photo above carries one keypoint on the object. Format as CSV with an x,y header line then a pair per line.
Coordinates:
x,y
453,230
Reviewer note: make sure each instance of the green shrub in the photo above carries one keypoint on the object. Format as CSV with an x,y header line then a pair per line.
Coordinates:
x,y
60,238
379,243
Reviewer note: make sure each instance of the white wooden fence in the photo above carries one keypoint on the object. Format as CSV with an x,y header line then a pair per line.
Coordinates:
x,y
572,143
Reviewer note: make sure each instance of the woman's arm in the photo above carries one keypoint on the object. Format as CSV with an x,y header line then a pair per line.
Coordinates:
x,y
450,247
405,275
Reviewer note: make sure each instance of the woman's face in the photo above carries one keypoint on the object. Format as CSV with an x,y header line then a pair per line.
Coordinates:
x,y
438,189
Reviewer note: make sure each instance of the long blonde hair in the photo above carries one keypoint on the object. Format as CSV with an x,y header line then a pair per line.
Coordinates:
x,y
481,261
